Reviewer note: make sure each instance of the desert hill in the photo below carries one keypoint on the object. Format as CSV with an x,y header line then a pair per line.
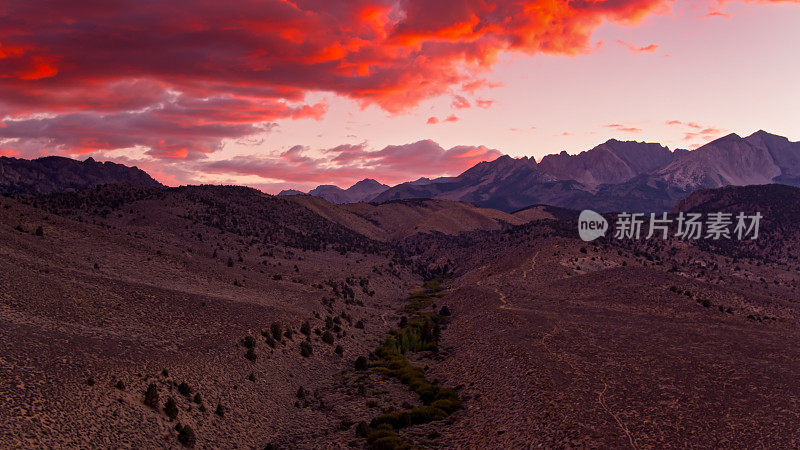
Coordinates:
x,y
399,219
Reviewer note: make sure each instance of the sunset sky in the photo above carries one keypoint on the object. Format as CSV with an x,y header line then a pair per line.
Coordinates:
x,y
291,94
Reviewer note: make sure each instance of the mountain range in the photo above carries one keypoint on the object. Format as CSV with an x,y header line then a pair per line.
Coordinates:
x,y
53,174
614,176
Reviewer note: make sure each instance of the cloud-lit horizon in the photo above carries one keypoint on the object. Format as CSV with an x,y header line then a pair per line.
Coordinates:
x,y
278,94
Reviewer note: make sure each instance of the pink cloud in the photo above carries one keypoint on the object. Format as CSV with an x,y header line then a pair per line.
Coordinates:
x,y
345,164
636,49
459,102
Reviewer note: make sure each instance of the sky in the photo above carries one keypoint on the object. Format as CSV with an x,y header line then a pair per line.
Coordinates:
x,y
280,94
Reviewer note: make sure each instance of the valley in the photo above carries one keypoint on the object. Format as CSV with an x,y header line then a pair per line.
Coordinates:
x,y
262,319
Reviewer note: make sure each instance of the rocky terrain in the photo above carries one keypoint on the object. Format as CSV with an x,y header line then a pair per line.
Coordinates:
x,y
222,317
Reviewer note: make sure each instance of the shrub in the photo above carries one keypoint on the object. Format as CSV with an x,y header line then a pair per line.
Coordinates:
x,y
151,396
361,363
383,437
248,342
363,429
39,231
120,385
306,349
276,330
186,436
220,411
360,324
339,350
305,328
171,408
198,399
90,381
251,377
301,393
184,389
288,333
445,311
327,337
251,354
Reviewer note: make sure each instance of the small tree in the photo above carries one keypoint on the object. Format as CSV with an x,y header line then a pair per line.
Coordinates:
x,y
306,349
186,436
184,389
276,330
171,408
151,396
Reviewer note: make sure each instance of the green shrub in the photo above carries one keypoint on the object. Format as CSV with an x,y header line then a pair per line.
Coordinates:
x,y
383,437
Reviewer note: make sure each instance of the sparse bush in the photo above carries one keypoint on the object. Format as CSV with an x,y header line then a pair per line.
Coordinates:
x,y
151,396
445,311
305,328
171,408
184,389
251,377
276,330
383,437
90,381
306,349
248,342
363,429
327,337
186,436
360,324
120,385
39,231
198,399
361,363
301,393
250,354
220,411
339,350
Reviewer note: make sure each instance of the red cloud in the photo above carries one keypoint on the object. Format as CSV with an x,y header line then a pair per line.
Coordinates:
x,y
126,61
432,120
345,164
484,103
